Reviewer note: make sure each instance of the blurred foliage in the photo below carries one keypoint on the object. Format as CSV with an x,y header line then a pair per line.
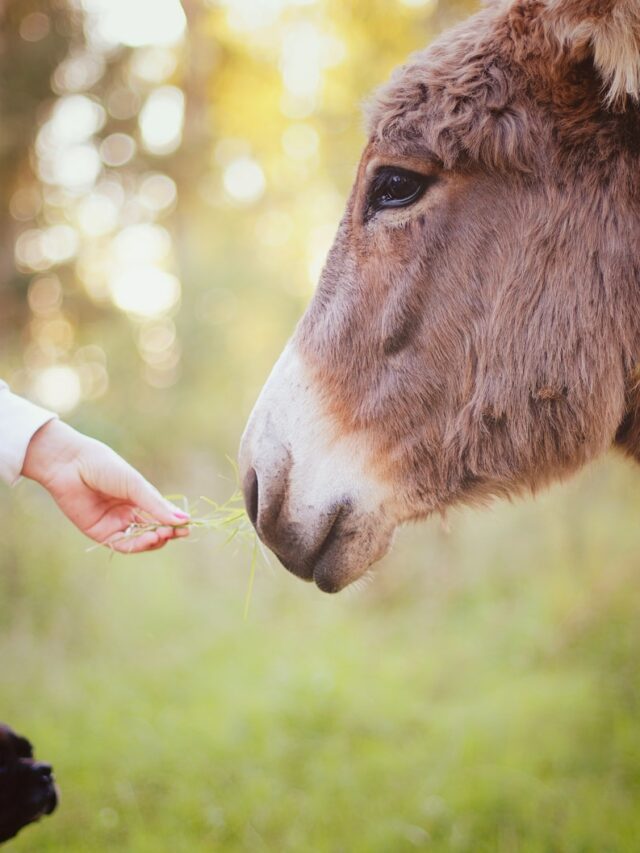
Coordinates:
x,y
114,190
171,178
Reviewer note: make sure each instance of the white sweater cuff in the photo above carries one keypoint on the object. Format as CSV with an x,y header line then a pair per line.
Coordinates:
x,y
19,421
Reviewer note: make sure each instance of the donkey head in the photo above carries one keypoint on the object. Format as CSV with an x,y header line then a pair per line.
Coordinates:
x,y
476,329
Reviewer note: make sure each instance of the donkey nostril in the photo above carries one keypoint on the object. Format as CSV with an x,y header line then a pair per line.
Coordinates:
x,y
251,495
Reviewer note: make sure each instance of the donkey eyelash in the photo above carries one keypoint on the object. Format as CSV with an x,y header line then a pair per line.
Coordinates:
x,y
393,187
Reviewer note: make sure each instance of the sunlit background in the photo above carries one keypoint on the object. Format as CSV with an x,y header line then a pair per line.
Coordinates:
x,y
172,175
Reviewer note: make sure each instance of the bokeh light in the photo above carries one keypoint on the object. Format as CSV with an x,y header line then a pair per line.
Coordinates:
x,y
58,388
157,193
144,290
117,149
45,295
97,215
244,180
35,26
162,119
154,64
25,204
74,119
142,22
78,72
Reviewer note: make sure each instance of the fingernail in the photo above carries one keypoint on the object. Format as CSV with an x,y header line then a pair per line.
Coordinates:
x,y
183,516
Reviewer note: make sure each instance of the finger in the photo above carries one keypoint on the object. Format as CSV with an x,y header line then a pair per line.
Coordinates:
x,y
180,532
175,533
148,498
157,547
169,533
165,532
112,524
136,544
149,540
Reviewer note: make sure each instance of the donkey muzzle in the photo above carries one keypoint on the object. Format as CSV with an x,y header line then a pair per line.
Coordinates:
x,y
329,542
310,489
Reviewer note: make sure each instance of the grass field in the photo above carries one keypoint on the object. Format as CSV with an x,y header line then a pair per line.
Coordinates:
x,y
481,694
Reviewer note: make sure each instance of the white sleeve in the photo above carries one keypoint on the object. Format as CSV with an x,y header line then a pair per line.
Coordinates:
x,y
19,420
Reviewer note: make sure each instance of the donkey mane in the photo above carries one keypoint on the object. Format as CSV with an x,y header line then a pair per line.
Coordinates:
x,y
475,95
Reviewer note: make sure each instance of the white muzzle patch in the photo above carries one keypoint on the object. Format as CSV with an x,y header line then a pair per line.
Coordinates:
x,y
311,491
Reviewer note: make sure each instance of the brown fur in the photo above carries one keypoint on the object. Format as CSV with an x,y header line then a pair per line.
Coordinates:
x,y
487,339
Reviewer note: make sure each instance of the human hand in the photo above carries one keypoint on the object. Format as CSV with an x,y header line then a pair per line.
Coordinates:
x,y
100,492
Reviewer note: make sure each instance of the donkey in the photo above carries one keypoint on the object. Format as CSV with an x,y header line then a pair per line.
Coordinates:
x,y
476,329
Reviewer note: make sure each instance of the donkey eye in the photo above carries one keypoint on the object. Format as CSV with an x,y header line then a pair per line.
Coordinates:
x,y
393,187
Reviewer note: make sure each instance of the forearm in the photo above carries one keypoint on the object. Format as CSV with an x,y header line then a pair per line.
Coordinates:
x,y
19,421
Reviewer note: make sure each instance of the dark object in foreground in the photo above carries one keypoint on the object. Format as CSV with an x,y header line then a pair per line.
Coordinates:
x,y
27,787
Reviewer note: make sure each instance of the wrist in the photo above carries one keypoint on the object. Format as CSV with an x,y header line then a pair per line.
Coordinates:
x,y
54,446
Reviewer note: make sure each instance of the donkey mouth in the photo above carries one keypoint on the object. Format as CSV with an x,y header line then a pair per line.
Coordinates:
x,y
348,549
322,564
326,574
327,579
329,572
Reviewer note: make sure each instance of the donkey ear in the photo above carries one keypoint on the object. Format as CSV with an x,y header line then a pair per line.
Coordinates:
x,y
610,29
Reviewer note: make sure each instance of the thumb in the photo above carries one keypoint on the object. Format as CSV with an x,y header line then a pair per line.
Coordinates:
x,y
147,498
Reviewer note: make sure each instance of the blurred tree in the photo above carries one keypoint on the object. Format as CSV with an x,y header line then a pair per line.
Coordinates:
x,y
172,177
89,124
34,38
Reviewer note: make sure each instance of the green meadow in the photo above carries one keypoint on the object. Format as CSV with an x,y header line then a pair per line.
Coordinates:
x,y
481,693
